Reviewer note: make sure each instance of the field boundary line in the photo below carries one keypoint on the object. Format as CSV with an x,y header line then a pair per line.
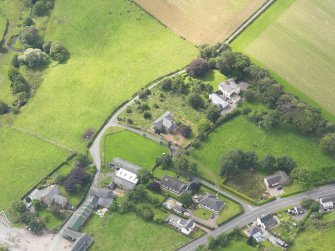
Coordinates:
x,y
38,137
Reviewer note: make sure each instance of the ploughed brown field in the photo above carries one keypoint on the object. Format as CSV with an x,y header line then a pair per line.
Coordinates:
x,y
202,21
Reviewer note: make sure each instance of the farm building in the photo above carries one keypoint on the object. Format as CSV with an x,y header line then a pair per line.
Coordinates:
x,y
173,185
280,178
266,221
229,88
125,175
105,196
83,243
165,124
212,203
218,101
81,215
49,195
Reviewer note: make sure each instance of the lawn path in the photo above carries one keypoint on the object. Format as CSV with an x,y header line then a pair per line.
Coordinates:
x,y
38,137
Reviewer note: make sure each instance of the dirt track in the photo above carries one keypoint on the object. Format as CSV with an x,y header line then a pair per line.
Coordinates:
x,y
202,21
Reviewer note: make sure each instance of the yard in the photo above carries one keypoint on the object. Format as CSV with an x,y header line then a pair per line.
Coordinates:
x,y
51,221
316,236
239,133
128,232
107,65
286,229
292,39
237,245
132,147
24,162
202,21
230,210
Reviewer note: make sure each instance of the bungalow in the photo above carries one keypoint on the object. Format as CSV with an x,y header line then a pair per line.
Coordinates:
x,y
212,203
165,124
266,221
105,196
125,175
173,185
184,226
279,178
229,87
174,205
328,203
218,101
256,233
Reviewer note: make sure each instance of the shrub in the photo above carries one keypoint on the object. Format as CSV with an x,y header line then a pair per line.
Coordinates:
x,y
18,82
166,84
34,58
46,47
59,53
21,99
28,21
3,107
30,38
147,115
15,62
327,143
196,101
39,9
154,186
250,95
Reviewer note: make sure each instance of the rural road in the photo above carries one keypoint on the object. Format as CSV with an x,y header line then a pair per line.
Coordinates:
x,y
255,212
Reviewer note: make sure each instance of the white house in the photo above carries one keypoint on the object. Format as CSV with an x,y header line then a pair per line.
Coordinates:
x,y
184,226
328,203
229,87
218,101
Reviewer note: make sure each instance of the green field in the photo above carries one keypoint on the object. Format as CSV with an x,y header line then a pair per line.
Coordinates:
x,y
293,40
128,232
24,162
237,245
116,48
230,210
239,133
316,237
3,21
132,147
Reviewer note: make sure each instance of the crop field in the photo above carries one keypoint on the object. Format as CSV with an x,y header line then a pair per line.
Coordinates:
x,y
239,133
295,40
128,232
132,147
116,48
24,161
202,21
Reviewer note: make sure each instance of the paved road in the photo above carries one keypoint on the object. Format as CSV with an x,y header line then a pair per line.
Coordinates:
x,y
252,214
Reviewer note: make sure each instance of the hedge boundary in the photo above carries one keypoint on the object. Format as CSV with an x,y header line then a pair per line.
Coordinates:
x,y
238,194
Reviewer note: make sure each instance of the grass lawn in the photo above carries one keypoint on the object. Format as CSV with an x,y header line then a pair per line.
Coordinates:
x,y
133,147
237,245
53,223
239,133
316,236
116,48
128,232
3,21
291,32
230,210
202,213
24,162
214,78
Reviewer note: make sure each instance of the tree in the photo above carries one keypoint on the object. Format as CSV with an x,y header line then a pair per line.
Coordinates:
x,y
269,163
46,47
36,225
186,131
208,51
59,53
269,120
18,82
204,125
194,186
286,164
28,21
178,86
137,194
186,200
196,101
166,84
165,161
327,143
39,9
34,58
20,207
213,113
3,107
182,163
250,95
60,179
77,178
30,38
27,217
147,115
82,161
313,205
251,241
197,68
144,176
154,186
15,62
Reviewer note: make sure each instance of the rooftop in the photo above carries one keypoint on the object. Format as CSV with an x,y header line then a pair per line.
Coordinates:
x,y
210,201
120,163
172,184
126,175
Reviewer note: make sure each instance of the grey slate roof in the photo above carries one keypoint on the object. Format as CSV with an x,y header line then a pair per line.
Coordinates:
x,y
328,199
60,200
49,194
74,235
279,177
102,193
80,217
105,202
83,243
166,121
254,230
172,184
268,220
210,201
187,224
120,163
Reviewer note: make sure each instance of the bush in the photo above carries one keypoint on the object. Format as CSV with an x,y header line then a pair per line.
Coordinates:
x,y
327,143
28,21
3,107
34,58
147,115
196,101
21,99
154,186
250,95
15,62
46,47
59,53
39,9
18,82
